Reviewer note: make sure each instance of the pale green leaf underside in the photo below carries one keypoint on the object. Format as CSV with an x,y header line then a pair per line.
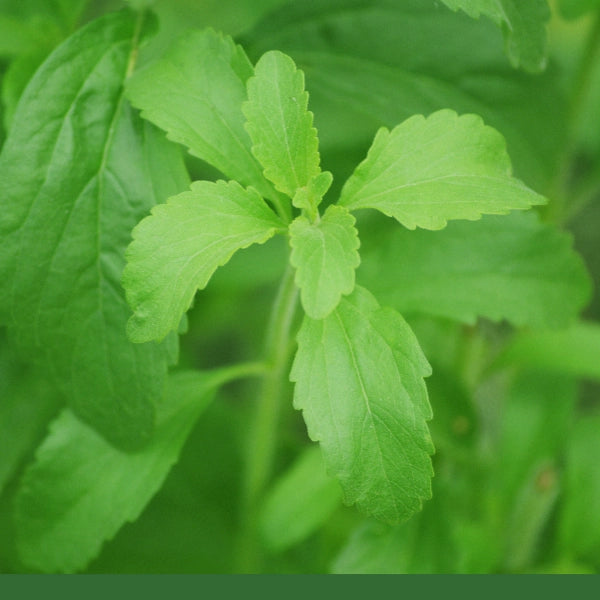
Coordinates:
x,y
179,246
79,170
509,267
195,93
325,257
522,22
359,382
80,490
280,125
300,502
427,171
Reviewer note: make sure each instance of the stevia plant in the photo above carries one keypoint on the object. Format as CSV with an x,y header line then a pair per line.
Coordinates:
x,y
106,244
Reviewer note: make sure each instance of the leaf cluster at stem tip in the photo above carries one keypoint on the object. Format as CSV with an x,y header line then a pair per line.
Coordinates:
x,y
358,369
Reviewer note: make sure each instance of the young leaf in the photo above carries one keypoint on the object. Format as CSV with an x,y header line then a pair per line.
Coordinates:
x,y
78,170
176,250
299,503
195,93
280,125
523,25
81,490
427,171
359,382
512,267
325,256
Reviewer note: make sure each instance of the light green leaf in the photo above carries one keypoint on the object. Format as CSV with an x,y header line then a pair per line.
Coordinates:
x,y
427,171
176,250
299,502
511,267
81,490
78,171
572,351
280,124
325,256
359,382
579,525
27,404
195,93
523,25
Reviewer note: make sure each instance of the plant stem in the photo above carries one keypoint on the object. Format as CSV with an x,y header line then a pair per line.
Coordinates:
x,y
558,211
263,433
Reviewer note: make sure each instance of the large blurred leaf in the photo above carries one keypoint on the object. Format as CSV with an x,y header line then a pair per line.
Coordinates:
x,y
377,62
572,351
580,526
575,8
299,502
503,267
359,382
78,170
522,24
80,490
27,403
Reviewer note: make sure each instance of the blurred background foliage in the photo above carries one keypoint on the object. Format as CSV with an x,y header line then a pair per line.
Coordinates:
x,y
517,415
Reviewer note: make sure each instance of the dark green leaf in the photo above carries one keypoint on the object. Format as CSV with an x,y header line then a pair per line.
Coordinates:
x,y
79,169
299,502
522,24
370,63
359,382
511,267
81,490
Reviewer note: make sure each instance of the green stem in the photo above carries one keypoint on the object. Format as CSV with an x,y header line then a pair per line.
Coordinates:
x,y
263,432
223,375
558,211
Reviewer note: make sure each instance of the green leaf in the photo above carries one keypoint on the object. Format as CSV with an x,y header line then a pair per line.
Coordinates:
x,y
325,256
429,170
572,9
195,93
579,524
299,503
511,267
523,25
572,351
81,490
359,382
176,250
280,124
79,170
27,405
